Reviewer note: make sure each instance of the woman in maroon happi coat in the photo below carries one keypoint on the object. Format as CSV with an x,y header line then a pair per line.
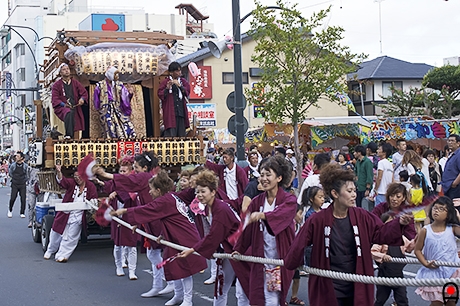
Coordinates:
x,y
342,236
138,182
269,233
177,227
124,239
224,223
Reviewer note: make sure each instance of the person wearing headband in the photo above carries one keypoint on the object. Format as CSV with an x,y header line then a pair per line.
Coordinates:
x,y
173,93
68,95
113,102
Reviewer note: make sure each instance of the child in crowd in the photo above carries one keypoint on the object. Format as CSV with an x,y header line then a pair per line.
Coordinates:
x,y
416,193
436,241
184,180
404,179
382,254
3,177
313,199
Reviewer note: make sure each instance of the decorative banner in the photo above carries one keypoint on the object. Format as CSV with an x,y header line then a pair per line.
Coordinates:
x,y
223,136
255,135
412,128
281,133
319,134
205,113
201,85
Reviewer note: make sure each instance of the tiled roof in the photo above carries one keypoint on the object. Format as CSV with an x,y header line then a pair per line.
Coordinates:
x,y
386,67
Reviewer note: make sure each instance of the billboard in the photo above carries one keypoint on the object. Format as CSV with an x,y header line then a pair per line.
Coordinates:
x,y
103,22
205,113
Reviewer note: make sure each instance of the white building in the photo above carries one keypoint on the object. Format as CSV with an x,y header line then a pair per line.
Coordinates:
x,y
31,26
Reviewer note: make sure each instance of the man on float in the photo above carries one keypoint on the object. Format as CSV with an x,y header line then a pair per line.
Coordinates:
x,y
68,95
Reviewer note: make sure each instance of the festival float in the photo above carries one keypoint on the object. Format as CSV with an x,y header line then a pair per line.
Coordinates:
x,y
142,58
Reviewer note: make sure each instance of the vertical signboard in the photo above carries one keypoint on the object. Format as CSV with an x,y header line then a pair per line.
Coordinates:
x,y
9,84
201,85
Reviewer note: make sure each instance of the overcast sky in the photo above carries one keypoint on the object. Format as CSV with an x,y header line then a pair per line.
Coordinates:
x,y
422,31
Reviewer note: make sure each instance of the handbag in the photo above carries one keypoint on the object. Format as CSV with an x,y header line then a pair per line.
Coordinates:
x,y
273,279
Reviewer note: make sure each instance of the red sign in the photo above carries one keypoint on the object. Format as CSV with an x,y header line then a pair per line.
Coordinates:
x,y
201,86
128,148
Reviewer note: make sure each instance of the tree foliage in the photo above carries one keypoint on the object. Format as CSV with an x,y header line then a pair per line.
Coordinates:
x,y
445,81
438,104
301,61
401,103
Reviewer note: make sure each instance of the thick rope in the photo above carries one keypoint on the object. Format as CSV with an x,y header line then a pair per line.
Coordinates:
x,y
384,281
416,261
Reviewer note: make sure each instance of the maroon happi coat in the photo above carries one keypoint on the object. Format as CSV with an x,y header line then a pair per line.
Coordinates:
x,y
176,227
61,218
139,182
279,222
121,235
224,223
58,96
167,102
409,230
241,177
367,226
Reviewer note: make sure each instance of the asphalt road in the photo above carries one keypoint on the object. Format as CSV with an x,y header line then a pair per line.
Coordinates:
x,y
89,276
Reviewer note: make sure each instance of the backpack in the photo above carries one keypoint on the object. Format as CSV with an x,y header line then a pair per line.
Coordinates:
x,y
375,161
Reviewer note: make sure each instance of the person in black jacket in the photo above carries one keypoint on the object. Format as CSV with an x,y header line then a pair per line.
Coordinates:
x,y
18,172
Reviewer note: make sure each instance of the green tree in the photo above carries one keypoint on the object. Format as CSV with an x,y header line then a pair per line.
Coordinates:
x,y
301,61
401,103
446,81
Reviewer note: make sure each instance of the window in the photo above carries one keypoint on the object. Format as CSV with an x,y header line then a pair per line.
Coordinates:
x,y
6,61
21,74
356,93
255,72
386,91
229,78
22,100
20,49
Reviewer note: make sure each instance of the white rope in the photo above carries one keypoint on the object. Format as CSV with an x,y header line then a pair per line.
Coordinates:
x,y
416,261
384,281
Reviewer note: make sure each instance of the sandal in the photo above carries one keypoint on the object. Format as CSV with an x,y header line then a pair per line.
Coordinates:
x,y
296,301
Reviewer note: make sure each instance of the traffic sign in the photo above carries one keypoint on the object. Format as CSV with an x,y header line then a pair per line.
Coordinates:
x,y
231,125
231,102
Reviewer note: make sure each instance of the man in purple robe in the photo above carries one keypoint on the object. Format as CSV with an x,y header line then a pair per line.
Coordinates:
x,y
68,95
173,93
113,101
232,178
67,226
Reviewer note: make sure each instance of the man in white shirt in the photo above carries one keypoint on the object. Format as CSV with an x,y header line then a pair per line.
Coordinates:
x,y
397,158
384,172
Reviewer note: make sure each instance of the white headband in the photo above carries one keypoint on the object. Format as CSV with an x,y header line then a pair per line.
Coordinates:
x,y
110,73
62,65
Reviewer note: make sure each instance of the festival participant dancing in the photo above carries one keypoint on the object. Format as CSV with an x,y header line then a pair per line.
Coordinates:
x,y
342,236
67,226
177,227
269,233
139,182
123,238
224,223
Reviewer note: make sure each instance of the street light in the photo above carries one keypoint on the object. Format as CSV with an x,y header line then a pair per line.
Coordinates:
x,y
4,31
